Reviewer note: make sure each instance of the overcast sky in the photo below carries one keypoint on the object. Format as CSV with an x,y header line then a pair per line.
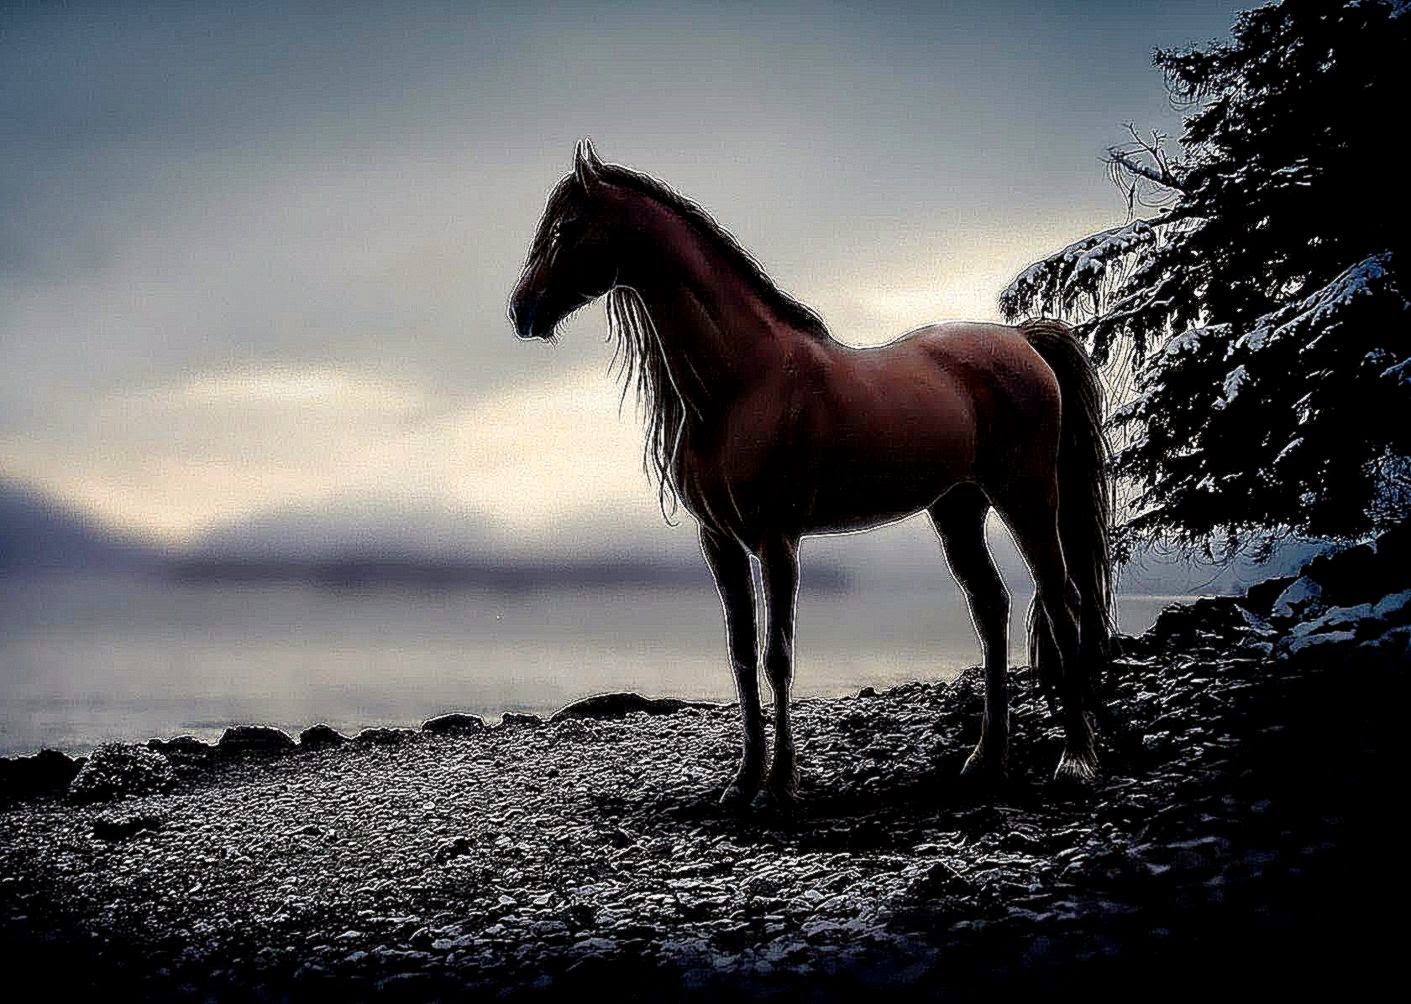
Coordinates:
x,y
254,256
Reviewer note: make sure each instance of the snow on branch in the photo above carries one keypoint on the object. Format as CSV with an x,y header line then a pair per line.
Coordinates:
x,y
1320,312
1151,380
1077,269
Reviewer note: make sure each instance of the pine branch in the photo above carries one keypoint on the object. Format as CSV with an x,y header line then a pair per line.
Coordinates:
x,y
1161,174
1159,171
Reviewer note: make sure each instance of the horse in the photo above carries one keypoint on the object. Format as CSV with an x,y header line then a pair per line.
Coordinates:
x,y
767,429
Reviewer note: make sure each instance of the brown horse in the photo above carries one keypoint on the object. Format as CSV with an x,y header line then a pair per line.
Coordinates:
x,y
767,429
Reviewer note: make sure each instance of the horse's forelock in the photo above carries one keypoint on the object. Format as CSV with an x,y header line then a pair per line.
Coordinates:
x,y
560,198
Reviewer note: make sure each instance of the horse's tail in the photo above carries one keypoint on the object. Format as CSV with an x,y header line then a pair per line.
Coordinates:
x,y
1084,501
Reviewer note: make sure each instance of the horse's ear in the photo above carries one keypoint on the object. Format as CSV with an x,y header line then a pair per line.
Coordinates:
x,y
586,165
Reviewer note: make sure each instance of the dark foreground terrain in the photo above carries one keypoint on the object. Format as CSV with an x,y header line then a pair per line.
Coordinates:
x,y
1242,838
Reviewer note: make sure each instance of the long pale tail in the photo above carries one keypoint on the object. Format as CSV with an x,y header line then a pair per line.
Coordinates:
x,y
1084,501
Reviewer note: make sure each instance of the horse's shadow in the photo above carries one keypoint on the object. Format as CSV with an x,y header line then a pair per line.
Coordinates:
x,y
895,815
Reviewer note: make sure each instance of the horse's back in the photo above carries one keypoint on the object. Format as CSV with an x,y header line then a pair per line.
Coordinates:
x,y
984,347
976,393
995,364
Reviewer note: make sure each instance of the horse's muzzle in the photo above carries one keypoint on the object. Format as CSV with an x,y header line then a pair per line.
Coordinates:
x,y
522,314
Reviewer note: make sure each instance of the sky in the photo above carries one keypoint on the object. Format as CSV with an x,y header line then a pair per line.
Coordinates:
x,y
254,258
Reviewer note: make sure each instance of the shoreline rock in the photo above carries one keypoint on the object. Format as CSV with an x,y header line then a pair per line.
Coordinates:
x,y
264,739
454,723
37,773
321,736
117,770
620,705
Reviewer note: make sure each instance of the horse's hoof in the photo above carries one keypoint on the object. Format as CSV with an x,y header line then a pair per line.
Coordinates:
x,y
776,800
737,796
742,787
1076,770
985,768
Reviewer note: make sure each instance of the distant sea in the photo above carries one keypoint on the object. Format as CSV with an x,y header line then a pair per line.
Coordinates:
x,y
86,659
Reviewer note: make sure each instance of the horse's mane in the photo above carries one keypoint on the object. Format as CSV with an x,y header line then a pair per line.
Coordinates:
x,y
641,363
789,309
638,356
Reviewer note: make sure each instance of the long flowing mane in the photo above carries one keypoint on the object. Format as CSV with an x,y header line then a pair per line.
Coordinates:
x,y
640,362
638,355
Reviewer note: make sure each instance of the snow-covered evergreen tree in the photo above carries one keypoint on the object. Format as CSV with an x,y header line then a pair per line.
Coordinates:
x,y
1261,309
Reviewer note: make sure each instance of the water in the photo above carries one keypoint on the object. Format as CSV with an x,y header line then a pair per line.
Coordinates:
x,y
85,659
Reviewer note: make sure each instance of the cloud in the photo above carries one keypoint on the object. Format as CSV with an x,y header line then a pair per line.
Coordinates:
x,y
536,453
223,445
303,388
242,262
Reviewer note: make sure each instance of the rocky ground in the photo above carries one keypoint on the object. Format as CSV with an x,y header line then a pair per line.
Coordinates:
x,y
1242,837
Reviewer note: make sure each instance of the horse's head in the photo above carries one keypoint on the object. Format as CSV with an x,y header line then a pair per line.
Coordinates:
x,y
571,261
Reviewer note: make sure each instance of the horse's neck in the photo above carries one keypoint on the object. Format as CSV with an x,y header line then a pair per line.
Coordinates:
x,y
715,333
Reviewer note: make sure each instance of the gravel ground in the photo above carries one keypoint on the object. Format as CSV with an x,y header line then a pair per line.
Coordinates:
x,y
1241,837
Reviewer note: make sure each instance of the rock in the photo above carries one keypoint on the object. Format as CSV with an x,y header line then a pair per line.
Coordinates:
x,y
621,705
1304,595
1259,598
516,720
1362,622
456,723
1319,640
1352,575
866,692
181,746
1393,646
453,848
321,736
1335,619
27,776
384,737
1394,548
1182,625
242,739
120,827
117,770
1394,609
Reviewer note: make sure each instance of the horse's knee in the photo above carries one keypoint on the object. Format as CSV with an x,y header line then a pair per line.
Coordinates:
x,y
779,667
991,605
1062,621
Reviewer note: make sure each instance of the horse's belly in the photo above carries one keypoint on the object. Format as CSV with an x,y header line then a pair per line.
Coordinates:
x,y
887,461
866,495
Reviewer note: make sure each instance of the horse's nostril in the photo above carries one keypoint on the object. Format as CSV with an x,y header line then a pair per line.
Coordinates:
x,y
519,315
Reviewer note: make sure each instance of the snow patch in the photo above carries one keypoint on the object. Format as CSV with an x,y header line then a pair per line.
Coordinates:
x,y
1395,606
1192,338
1319,310
1235,381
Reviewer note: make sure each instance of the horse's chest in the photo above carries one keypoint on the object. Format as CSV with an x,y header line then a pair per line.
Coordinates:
x,y
729,482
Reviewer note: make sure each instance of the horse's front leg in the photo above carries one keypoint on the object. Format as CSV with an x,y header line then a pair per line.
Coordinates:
x,y
730,564
780,561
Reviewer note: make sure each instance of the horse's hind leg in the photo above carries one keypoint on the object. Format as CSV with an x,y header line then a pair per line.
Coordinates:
x,y
779,561
1032,515
730,564
959,518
